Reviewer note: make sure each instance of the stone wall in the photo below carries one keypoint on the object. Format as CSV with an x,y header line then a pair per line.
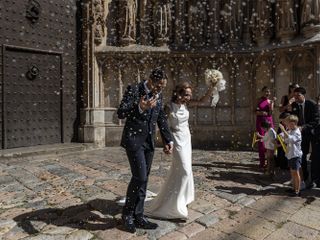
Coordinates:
x,y
254,43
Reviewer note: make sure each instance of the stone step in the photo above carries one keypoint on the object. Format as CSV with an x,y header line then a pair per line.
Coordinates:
x,y
40,150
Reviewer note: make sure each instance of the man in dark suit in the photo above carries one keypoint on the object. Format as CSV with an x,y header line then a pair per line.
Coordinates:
x,y
307,112
315,156
141,105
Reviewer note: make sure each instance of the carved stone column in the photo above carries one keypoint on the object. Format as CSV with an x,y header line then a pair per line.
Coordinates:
x,y
317,72
261,24
197,18
236,18
162,21
127,21
310,17
214,20
99,21
91,115
247,12
285,20
145,22
180,24
231,16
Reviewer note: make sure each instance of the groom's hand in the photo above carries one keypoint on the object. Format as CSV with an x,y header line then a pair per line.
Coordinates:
x,y
168,148
147,104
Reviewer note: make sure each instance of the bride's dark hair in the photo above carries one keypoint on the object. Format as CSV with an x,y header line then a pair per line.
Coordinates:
x,y
179,91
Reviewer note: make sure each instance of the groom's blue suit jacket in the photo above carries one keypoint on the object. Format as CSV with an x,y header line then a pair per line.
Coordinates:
x,y
139,126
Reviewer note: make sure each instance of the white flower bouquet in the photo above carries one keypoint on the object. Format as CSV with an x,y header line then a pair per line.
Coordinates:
x,y
214,78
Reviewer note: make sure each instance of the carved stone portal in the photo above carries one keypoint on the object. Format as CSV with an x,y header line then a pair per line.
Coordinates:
x,y
243,38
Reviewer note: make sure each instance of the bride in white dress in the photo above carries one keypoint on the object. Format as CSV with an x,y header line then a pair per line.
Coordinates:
x,y
178,189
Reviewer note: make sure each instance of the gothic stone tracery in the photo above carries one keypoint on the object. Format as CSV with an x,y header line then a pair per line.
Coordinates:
x,y
248,40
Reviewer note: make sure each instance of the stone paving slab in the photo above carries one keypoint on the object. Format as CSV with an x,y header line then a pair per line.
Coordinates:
x,y
72,195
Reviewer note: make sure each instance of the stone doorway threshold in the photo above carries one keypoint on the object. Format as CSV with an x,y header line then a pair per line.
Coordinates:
x,y
51,149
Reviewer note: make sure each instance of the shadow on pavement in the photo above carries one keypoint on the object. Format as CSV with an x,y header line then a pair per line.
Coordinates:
x,y
227,165
94,215
252,181
253,176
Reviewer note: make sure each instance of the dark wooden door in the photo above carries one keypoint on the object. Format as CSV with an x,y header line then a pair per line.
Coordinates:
x,y
32,97
38,72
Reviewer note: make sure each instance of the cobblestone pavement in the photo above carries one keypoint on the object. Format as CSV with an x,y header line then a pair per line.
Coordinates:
x,y
73,196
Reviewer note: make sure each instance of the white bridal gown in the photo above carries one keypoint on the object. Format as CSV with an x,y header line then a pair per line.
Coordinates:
x,y
178,189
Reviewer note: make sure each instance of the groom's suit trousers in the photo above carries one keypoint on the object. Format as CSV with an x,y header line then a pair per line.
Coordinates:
x,y
140,164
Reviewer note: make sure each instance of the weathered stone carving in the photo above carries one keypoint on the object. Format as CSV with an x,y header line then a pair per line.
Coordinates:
x,y
128,15
310,18
247,11
232,15
310,10
99,21
162,22
261,24
197,21
285,19
145,8
214,20
207,22
180,24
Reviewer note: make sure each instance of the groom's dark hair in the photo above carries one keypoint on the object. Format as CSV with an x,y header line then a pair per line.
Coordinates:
x,y
158,74
300,90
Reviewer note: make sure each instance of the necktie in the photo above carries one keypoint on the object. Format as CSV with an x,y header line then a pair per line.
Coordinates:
x,y
150,95
301,114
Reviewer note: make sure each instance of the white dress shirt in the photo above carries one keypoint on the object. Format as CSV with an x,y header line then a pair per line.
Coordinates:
x,y
293,142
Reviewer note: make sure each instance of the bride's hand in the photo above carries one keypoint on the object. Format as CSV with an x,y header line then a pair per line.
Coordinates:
x,y
168,148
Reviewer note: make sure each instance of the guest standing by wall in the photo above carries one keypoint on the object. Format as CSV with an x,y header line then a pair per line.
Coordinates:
x,y
263,113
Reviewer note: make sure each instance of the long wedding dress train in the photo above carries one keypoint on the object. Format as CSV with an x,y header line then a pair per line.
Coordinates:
x,y
178,189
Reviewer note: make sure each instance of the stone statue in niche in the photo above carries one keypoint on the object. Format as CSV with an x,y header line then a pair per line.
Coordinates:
x,y
145,22
232,15
310,12
214,20
99,22
247,12
286,26
225,18
128,15
236,18
261,24
180,25
162,21
197,22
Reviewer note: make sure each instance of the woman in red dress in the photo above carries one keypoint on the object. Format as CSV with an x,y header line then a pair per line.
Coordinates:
x,y
264,113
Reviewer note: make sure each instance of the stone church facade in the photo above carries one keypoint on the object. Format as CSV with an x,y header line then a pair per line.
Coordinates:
x,y
254,43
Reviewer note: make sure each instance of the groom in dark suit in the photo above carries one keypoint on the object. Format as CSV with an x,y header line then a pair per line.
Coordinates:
x,y
141,105
307,112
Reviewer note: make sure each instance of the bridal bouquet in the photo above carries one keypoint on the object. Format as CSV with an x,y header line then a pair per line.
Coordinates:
x,y
214,78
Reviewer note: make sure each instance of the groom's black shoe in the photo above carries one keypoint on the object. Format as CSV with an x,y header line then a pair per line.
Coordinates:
x,y
142,222
128,223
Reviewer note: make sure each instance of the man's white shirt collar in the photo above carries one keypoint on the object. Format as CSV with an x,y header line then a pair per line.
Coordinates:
x,y
146,87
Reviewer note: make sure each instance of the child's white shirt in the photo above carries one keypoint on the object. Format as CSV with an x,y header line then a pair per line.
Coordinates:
x,y
269,139
293,142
